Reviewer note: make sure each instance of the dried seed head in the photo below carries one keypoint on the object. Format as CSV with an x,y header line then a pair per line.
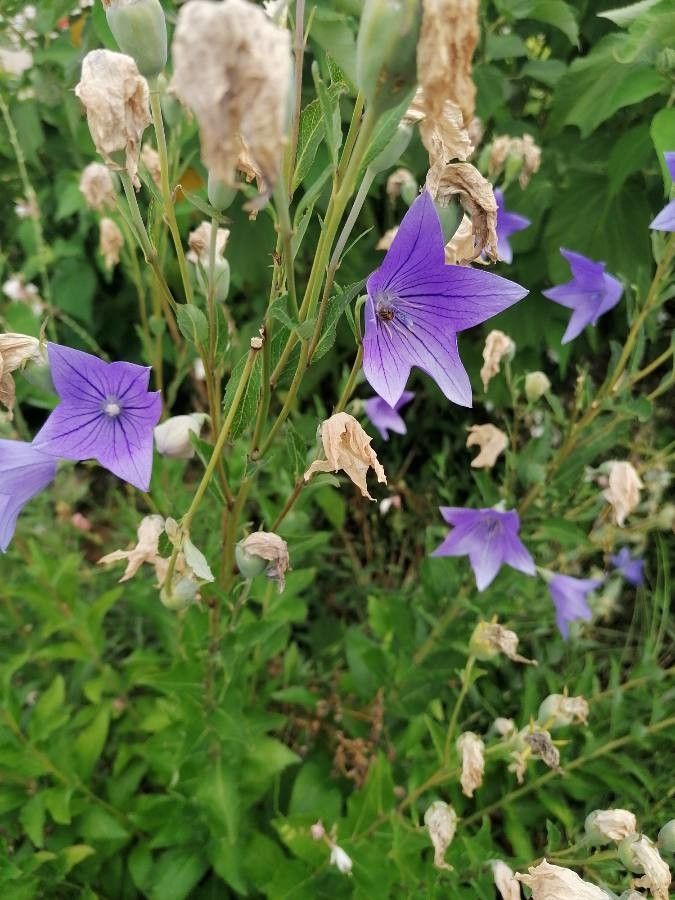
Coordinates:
x,y
498,346
232,67
504,727
441,823
97,187
110,242
548,882
492,442
116,99
199,242
559,710
471,753
624,490
505,881
489,639
543,747
269,548
536,385
347,447
464,181
602,826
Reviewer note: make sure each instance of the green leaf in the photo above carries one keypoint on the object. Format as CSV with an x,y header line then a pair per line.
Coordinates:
x,y
49,712
504,46
330,114
74,855
248,405
73,288
192,323
91,741
32,818
631,153
625,15
310,134
297,450
218,794
662,131
57,801
558,14
176,873
336,306
332,32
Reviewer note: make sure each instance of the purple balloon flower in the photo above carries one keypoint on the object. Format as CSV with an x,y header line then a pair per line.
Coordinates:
x,y
665,221
591,293
106,413
629,567
569,598
489,537
508,223
24,472
416,306
386,418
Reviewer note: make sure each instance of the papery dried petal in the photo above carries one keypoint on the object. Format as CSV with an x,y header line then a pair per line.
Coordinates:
x,y
151,161
461,248
498,346
387,239
603,826
549,882
97,187
492,442
441,823
15,351
471,752
543,747
645,857
347,447
489,639
624,490
199,242
145,551
110,242
505,880
475,193
559,710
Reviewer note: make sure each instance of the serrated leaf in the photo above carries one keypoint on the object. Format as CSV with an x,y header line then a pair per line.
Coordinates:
x,y
278,309
192,323
248,405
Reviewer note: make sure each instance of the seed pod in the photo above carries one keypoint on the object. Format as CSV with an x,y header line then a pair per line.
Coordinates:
x,y
139,27
219,194
666,838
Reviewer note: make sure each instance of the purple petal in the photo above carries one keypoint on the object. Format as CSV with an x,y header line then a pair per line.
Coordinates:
x,y
579,319
128,452
613,289
458,515
517,555
586,272
385,369
384,417
665,220
486,561
569,599
24,472
669,157
76,375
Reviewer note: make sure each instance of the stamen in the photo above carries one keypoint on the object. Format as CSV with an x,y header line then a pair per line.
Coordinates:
x,y
112,408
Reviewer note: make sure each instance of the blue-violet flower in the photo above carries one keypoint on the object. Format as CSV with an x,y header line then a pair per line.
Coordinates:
x,y
386,418
24,472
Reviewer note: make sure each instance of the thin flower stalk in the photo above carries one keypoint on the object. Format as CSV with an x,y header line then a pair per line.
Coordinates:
x,y
452,725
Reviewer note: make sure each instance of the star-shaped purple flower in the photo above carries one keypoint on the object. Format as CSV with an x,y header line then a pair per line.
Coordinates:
x,y
386,418
508,223
569,598
665,221
629,567
489,537
106,413
24,472
416,306
590,294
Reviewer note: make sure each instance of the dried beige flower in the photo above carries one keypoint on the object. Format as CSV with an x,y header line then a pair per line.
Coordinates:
x,y
387,239
489,639
523,151
232,66
492,442
559,710
505,881
443,133
471,753
640,854
151,161
497,347
504,727
145,551
624,490
347,447
110,242
15,351
441,823
549,882
117,102
172,437
399,180
97,186
199,241
542,746
603,826
464,181
461,248
270,547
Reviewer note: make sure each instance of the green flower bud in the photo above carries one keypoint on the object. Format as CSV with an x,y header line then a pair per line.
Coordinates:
x,y
604,826
219,194
393,151
450,215
139,27
386,50
666,838
536,385
249,565
180,593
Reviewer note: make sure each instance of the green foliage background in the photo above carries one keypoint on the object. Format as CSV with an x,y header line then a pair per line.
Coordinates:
x,y
137,759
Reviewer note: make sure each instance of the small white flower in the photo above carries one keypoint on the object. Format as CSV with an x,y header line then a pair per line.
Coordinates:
x,y
340,859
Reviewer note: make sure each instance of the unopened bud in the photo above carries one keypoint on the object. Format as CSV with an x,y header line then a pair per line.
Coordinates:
x,y
394,149
139,27
441,823
602,826
220,195
182,591
666,838
317,831
172,438
386,50
536,385
341,860
490,639
557,711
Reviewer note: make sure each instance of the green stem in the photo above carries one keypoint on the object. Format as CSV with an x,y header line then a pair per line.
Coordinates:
x,y
348,389
169,210
281,204
298,54
290,502
452,725
290,399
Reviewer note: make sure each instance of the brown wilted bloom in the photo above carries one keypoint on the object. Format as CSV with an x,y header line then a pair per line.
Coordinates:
x,y
117,102
471,753
398,179
559,710
441,823
145,551
605,825
347,447
543,747
624,490
110,242
387,239
273,549
232,67
461,248
464,181
497,346
523,150
489,639
645,857
549,882
97,187
150,159
445,136
505,881
15,351
492,442
199,241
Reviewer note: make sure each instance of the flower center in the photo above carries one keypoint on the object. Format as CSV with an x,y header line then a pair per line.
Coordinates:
x,y
112,408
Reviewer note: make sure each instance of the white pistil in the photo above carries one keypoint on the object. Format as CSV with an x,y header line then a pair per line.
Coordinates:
x,y
112,408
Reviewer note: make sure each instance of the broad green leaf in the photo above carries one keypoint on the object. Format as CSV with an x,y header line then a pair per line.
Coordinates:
x,y
32,818
311,133
218,793
73,287
625,15
663,135
192,323
504,46
337,305
176,872
558,14
631,153
75,854
249,401
91,741
49,712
